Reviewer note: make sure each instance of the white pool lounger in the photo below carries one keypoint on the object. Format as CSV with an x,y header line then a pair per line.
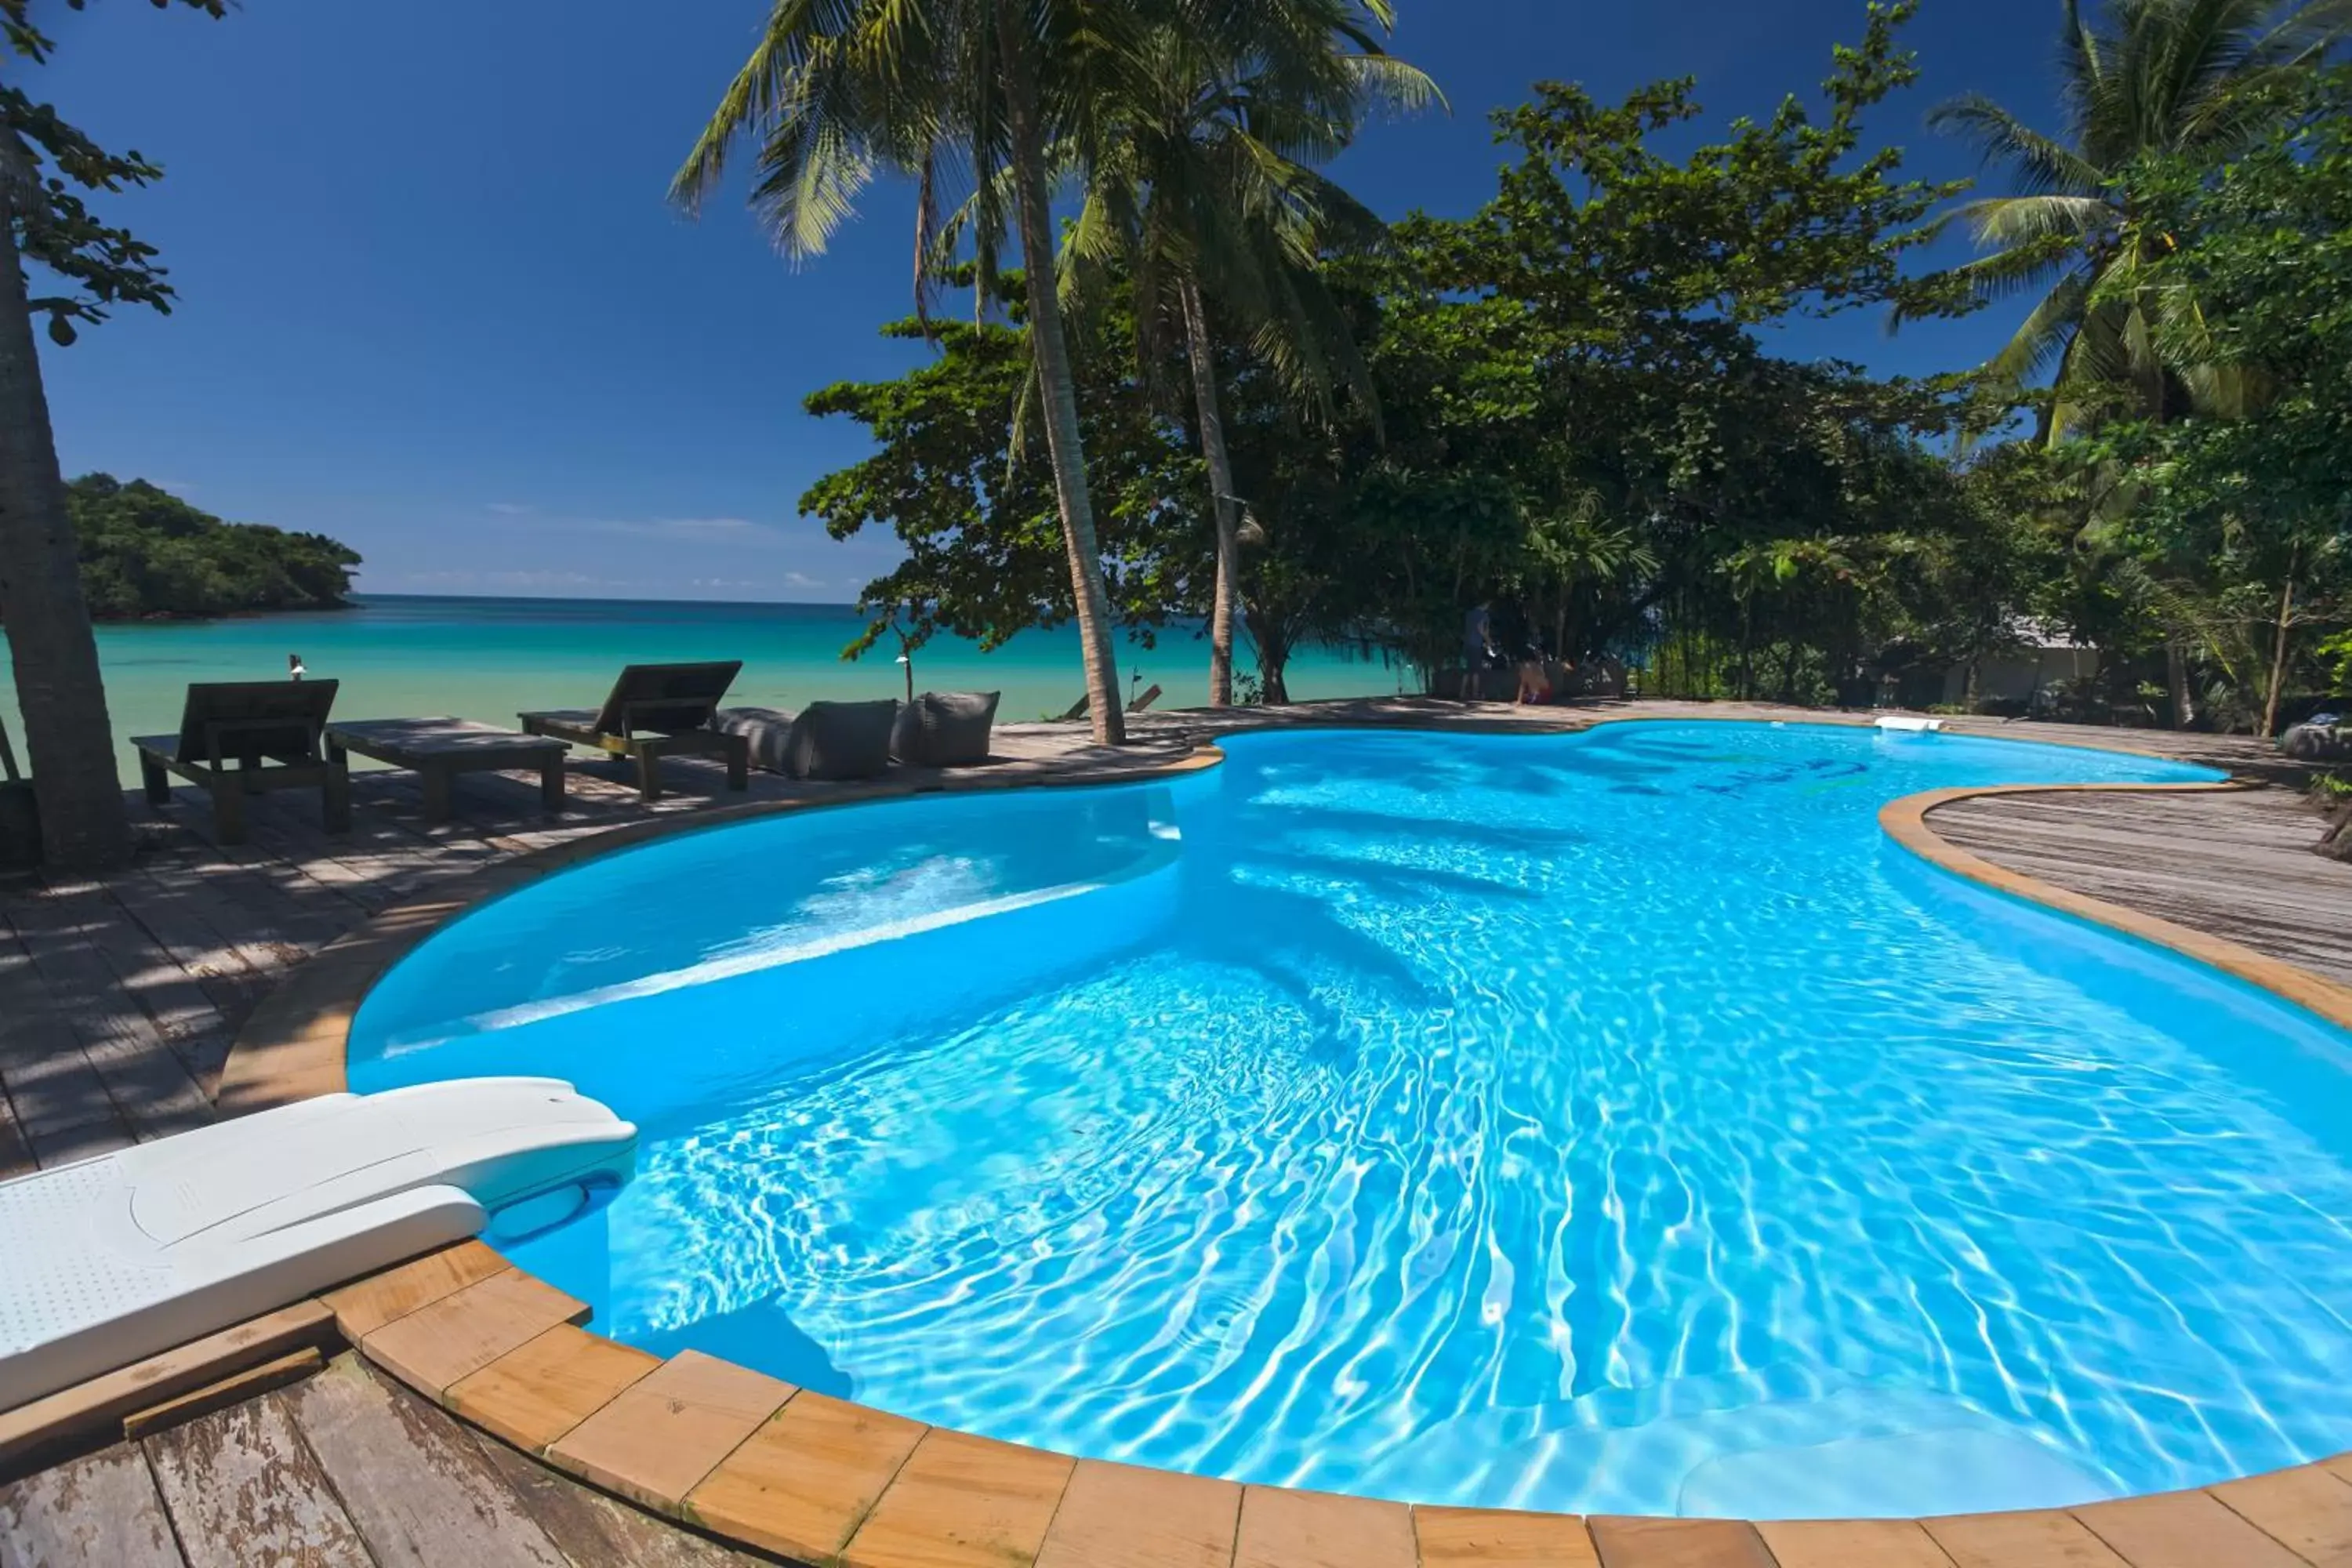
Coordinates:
x,y
1908,725
110,1260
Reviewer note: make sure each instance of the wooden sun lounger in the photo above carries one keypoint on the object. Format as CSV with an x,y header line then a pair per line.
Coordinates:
x,y
1079,709
437,750
656,710
240,737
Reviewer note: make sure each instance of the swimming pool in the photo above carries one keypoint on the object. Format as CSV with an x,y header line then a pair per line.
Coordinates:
x,y
1614,1122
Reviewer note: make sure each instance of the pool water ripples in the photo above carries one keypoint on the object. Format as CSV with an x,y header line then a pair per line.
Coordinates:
x,y
1613,1123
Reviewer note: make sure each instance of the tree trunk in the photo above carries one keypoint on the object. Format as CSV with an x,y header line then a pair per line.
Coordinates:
x,y
2176,675
2278,653
68,741
1056,380
1273,646
1199,349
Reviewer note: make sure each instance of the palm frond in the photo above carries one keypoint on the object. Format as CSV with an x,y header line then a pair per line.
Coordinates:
x,y
2040,164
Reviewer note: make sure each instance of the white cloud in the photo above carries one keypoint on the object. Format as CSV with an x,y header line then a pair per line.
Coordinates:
x,y
510,580
701,525
508,507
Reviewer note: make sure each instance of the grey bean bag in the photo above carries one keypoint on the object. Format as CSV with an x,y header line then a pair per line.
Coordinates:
x,y
841,741
945,728
823,741
2319,742
767,729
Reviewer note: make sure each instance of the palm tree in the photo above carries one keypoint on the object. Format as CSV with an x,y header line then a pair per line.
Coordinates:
x,y
834,92
2201,77
1204,191
44,163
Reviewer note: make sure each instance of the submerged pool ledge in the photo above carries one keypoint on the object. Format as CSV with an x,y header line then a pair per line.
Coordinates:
x,y
818,1480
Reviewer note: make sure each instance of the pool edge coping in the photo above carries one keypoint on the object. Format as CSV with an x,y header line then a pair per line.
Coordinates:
x,y
504,1351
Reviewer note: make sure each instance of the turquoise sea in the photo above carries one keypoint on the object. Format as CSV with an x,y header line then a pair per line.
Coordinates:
x,y
488,658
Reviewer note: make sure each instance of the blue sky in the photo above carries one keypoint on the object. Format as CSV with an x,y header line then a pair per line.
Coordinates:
x,y
433,301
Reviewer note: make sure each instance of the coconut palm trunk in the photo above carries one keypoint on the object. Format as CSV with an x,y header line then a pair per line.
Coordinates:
x,y
1056,380
2279,649
2175,676
68,740
1202,354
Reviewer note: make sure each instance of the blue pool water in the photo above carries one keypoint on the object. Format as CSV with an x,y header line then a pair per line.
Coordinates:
x,y
1611,1122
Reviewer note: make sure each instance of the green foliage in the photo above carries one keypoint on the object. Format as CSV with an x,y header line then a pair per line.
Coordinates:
x,y
984,551
145,552
2251,507
43,159
2149,85
1578,421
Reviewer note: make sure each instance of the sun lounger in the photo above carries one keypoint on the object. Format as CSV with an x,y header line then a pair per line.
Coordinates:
x,y
656,710
437,750
112,1259
241,737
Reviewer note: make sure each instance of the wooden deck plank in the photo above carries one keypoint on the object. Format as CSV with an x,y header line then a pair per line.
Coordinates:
x,y
1122,1516
2035,1537
73,1414
2236,865
1851,1543
803,1484
243,1487
2182,1529
537,1392
1282,1528
466,1330
56,1096
101,1512
655,1440
590,1527
1491,1538
2308,1510
961,1501
15,1154
1678,1543
417,1490
149,1085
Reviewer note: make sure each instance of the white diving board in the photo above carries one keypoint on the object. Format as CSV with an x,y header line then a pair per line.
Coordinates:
x,y
110,1260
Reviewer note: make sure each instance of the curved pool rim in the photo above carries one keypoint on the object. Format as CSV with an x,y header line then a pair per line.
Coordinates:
x,y
500,1321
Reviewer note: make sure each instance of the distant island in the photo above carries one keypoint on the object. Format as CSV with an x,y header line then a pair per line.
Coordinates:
x,y
146,553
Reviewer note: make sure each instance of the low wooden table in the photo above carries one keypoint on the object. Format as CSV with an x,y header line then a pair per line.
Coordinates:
x,y
440,749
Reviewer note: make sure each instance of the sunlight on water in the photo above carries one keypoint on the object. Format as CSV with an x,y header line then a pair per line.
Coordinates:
x,y
1610,1123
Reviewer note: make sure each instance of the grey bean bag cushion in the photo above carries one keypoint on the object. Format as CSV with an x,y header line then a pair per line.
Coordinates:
x,y
767,729
945,728
824,740
2319,742
841,741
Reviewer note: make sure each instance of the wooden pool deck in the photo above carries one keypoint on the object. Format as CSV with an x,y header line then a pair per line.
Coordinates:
x,y
120,999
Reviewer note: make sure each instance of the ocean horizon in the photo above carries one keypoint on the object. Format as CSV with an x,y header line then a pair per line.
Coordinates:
x,y
413,655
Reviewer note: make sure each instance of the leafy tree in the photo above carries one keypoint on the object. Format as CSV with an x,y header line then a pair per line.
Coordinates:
x,y
977,520
2195,78
145,552
45,165
2263,245
1205,195
1590,338
2156,78
834,92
